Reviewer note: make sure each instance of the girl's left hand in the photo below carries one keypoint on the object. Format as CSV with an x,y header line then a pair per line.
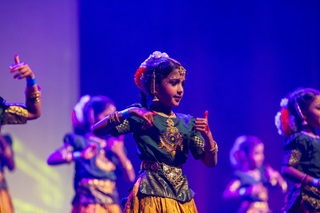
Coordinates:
x,y
21,70
202,126
116,144
275,178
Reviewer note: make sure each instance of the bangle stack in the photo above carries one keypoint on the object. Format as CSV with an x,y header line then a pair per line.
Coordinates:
x,y
213,150
33,97
114,118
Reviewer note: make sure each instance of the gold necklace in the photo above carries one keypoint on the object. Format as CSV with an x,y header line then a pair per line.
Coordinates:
x,y
170,140
169,121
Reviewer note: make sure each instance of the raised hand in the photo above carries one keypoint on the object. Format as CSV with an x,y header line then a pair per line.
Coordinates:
x,y
116,144
146,115
275,178
202,126
20,70
90,151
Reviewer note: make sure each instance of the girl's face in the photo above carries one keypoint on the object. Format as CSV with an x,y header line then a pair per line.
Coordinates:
x,y
170,91
256,156
108,111
312,114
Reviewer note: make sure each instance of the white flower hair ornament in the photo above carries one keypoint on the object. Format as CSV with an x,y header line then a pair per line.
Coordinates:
x,y
234,152
78,118
139,76
284,102
154,55
284,120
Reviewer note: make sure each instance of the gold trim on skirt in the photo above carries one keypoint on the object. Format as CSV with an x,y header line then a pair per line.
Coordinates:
x,y
151,204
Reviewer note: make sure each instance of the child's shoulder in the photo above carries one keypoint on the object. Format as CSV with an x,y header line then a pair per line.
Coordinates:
x,y
185,116
298,138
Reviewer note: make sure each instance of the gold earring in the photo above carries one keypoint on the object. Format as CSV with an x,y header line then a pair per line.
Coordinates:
x,y
155,98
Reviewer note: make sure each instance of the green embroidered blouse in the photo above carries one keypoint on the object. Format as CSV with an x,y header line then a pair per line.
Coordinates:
x,y
12,113
163,149
303,153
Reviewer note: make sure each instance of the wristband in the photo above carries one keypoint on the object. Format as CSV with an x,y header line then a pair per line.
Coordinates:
x,y
31,82
315,182
76,155
125,114
242,191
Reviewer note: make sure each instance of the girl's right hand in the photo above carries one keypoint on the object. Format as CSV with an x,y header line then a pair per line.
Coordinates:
x,y
90,151
259,190
146,115
21,70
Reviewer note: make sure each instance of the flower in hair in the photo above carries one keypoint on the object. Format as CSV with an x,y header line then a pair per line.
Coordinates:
x,y
285,122
154,55
277,122
234,152
284,102
139,76
78,118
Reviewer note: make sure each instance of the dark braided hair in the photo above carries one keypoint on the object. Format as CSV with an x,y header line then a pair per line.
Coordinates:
x,y
299,101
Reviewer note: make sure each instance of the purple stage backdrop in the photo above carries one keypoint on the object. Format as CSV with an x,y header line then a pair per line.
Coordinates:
x,y
241,59
45,35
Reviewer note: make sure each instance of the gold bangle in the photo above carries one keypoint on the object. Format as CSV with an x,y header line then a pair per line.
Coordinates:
x,y
34,97
213,150
114,118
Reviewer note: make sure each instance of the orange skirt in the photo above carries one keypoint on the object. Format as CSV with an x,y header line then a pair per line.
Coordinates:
x,y
5,202
96,208
151,204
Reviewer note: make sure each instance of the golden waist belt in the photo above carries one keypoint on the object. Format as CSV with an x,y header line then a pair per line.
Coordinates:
x,y
106,186
172,173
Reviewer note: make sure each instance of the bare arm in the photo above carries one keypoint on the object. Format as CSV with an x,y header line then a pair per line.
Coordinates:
x,y
65,154
275,178
104,126
210,158
232,190
33,102
20,71
61,155
116,145
295,175
127,168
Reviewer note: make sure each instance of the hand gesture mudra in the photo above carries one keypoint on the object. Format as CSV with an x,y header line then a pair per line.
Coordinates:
x,y
146,115
116,144
20,70
90,151
202,125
